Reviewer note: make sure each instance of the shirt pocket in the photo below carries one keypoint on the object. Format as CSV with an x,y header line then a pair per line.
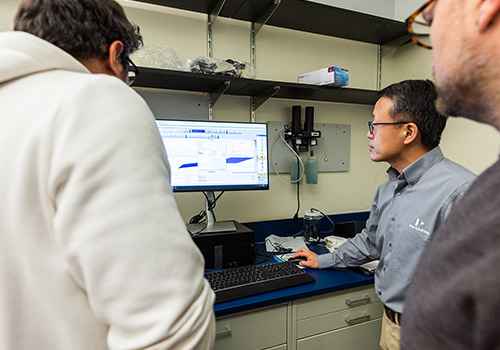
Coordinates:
x,y
411,246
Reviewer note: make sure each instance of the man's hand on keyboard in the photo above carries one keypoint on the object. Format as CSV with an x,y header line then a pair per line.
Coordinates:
x,y
312,258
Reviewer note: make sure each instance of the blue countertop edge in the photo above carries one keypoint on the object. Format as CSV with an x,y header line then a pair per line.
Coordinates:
x,y
327,281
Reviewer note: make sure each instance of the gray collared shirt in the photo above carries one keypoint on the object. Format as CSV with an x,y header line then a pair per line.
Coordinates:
x,y
405,212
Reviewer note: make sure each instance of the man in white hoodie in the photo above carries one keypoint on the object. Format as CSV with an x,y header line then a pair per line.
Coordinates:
x,y
93,251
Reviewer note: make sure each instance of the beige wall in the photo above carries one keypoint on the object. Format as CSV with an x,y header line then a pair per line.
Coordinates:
x,y
281,55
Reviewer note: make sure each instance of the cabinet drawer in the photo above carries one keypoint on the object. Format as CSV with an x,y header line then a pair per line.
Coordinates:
x,y
336,301
364,336
335,320
266,328
279,347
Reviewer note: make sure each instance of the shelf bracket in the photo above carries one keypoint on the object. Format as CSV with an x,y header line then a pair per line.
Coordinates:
x,y
259,100
379,67
257,26
386,49
214,96
262,20
393,45
212,17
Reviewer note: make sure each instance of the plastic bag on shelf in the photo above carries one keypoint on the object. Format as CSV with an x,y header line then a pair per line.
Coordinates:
x,y
159,56
209,65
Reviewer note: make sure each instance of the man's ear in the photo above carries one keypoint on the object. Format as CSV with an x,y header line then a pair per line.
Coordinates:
x,y
114,61
411,130
487,13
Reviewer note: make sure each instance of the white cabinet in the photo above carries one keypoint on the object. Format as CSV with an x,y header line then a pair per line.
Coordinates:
x,y
344,320
364,336
261,329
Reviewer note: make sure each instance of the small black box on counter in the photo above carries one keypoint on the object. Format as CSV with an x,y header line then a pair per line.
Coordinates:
x,y
227,249
349,229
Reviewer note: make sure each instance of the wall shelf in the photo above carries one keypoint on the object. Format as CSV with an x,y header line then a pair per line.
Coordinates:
x,y
197,82
302,15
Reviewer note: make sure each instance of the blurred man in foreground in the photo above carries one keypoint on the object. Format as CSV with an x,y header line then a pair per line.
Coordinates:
x,y
453,302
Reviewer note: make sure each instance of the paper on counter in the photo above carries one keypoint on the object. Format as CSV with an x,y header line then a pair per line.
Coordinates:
x,y
273,243
334,242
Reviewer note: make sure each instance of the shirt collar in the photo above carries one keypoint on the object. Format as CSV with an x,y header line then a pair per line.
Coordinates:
x,y
413,172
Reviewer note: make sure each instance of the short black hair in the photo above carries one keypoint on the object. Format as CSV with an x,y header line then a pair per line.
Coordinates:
x,y
82,28
414,101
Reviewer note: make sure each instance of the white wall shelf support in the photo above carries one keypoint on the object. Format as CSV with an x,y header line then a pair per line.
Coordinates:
x,y
214,96
212,17
257,26
394,44
257,101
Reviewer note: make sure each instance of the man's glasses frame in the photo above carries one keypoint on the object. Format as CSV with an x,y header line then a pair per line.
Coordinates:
x,y
372,124
132,71
410,21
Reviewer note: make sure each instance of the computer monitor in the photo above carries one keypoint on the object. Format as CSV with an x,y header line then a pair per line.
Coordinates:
x,y
209,156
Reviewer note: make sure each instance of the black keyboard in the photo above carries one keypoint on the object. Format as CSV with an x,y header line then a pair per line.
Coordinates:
x,y
240,282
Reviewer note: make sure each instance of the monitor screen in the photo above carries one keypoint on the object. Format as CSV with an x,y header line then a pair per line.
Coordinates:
x,y
216,156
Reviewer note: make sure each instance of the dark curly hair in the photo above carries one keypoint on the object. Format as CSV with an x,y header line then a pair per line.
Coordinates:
x,y
414,101
82,28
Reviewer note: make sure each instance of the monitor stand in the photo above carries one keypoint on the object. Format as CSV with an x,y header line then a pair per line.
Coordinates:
x,y
211,226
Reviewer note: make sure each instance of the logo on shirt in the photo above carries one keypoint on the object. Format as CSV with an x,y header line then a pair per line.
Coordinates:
x,y
419,226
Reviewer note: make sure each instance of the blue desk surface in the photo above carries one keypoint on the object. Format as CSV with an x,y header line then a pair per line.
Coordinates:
x,y
326,281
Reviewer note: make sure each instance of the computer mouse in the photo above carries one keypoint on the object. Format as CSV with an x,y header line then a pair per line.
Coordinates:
x,y
297,259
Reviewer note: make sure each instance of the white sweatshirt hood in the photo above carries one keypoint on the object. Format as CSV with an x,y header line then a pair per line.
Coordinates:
x,y
23,54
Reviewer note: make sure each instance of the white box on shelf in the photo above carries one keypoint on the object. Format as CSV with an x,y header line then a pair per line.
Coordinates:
x,y
334,76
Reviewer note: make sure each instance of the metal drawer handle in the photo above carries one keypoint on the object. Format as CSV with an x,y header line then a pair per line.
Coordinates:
x,y
223,334
352,321
352,303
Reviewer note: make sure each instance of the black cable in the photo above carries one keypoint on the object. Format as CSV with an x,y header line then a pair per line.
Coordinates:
x,y
278,247
212,205
326,216
198,217
199,231
202,214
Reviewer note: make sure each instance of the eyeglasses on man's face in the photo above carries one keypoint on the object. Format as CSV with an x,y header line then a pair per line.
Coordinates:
x,y
132,72
419,24
372,124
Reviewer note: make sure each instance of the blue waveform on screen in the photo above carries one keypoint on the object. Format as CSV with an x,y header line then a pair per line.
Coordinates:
x,y
235,160
188,165
231,160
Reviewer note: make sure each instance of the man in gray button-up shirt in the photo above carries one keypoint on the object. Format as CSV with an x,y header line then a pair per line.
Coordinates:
x,y
422,188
